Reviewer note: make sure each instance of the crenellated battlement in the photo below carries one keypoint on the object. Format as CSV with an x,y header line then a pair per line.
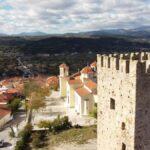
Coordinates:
x,y
123,101
125,63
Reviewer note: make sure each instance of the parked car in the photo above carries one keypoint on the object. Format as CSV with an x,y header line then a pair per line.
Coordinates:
x,y
1,143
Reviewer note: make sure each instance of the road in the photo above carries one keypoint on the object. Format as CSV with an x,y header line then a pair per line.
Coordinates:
x,y
17,123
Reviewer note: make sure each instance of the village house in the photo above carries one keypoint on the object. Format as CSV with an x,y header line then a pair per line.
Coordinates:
x,y
79,89
9,88
5,115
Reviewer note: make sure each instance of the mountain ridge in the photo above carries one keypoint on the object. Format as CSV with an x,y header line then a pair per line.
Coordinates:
x,y
140,32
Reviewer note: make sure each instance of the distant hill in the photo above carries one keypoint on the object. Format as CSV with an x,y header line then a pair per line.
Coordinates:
x,y
38,33
141,32
2,34
53,45
121,40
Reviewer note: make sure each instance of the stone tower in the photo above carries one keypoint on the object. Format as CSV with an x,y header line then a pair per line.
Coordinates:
x,y
124,101
64,72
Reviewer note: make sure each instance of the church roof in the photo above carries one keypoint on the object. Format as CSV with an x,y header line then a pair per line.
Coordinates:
x,y
91,85
93,64
83,92
87,70
52,80
75,81
4,112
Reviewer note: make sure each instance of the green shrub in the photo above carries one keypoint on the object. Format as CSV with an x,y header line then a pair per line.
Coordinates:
x,y
60,124
57,125
14,105
24,135
44,124
20,145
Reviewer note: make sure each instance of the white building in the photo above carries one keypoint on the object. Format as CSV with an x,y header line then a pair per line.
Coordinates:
x,y
80,89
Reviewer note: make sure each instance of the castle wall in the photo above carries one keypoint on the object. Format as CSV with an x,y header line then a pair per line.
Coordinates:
x,y
142,118
123,102
116,82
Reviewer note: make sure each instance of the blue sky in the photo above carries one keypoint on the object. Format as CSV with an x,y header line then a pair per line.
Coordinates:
x,y
61,16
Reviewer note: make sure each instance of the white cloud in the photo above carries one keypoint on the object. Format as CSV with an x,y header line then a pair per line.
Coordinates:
x,y
58,16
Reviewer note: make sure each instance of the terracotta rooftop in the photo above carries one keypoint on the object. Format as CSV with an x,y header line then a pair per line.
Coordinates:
x,y
91,85
75,81
52,80
4,112
5,98
64,66
83,92
12,91
93,64
87,70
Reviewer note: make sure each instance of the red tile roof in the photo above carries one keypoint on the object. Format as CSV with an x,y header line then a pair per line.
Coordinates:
x,y
4,98
87,70
91,85
75,81
52,80
93,64
82,92
4,112
12,91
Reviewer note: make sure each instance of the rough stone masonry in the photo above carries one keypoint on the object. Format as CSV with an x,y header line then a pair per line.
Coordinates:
x,y
124,101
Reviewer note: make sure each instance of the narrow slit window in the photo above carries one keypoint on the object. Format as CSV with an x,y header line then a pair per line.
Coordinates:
x,y
102,61
127,67
117,64
123,126
112,103
123,146
108,62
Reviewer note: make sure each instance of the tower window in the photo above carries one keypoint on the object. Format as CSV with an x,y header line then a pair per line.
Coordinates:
x,y
112,103
102,61
108,62
127,67
123,146
123,126
117,64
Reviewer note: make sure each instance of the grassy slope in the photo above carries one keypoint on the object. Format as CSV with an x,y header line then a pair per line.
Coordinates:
x,y
78,136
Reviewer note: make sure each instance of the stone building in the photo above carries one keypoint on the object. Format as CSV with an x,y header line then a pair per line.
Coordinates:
x,y
64,73
124,101
79,89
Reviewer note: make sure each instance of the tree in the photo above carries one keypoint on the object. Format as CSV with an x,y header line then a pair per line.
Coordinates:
x,y
14,105
35,95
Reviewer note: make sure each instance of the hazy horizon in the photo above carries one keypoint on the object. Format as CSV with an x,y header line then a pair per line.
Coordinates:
x,y
71,16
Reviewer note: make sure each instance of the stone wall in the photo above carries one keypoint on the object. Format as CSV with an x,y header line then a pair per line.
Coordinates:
x,y
121,96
